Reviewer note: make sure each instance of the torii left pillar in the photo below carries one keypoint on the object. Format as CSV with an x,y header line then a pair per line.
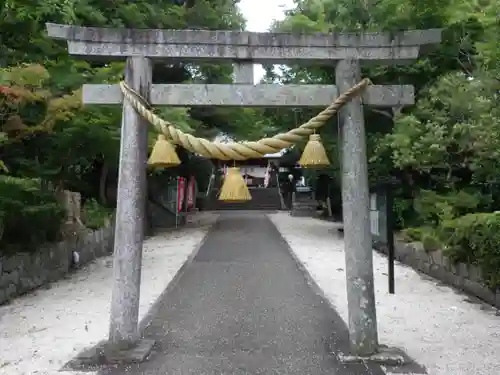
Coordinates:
x,y
130,216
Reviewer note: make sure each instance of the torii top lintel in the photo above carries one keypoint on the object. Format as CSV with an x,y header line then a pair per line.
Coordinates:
x,y
195,45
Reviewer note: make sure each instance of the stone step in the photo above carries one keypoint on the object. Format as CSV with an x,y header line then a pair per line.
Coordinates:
x,y
262,199
304,207
303,213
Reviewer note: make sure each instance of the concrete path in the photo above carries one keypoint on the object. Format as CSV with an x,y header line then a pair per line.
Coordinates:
x,y
244,307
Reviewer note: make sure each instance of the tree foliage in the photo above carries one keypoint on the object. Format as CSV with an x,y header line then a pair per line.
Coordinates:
x,y
456,90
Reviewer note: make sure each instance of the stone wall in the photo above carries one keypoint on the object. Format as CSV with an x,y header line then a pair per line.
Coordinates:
x,y
23,272
465,277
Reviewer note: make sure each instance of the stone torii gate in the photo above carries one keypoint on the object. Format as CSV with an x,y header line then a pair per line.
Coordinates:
x,y
141,48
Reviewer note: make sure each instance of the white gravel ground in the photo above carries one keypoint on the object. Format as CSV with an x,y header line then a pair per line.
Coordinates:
x,y
41,331
435,324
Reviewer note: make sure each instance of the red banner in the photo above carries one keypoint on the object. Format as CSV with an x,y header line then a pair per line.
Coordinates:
x,y
191,192
181,182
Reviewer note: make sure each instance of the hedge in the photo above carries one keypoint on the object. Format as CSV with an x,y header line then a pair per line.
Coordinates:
x,y
475,239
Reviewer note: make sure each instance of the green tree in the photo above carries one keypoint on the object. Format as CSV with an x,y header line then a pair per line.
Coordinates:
x,y
456,90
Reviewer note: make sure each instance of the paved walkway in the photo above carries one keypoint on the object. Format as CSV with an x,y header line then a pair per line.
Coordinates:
x,y
244,307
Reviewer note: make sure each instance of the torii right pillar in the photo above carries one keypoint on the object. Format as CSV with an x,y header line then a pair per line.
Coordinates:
x,y
356,216
362,317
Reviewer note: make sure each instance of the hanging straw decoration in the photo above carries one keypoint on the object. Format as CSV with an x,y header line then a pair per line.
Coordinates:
x,y
314,155
234,188
163,154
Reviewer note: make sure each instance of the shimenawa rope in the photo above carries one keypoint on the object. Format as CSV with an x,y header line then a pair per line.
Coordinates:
x,y
243,150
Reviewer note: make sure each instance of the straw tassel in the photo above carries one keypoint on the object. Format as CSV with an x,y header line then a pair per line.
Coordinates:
x,y
234,188
314,155
163,154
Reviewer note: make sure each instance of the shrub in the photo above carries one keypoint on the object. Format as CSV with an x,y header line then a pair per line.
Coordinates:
x,y
426,235
431,242
433,208
404,213
413,234
29,215
475,239
94,215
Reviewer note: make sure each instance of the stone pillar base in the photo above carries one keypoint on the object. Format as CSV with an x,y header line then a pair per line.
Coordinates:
x,y
105,353
385,356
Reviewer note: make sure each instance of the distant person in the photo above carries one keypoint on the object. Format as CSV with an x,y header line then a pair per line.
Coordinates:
x,y
287,190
